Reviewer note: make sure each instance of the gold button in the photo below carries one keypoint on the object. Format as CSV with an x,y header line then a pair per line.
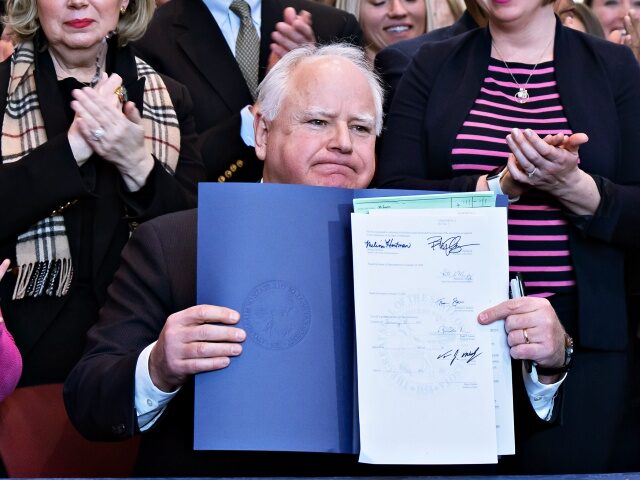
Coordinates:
x,y
233,167
240,163
228,174
221,178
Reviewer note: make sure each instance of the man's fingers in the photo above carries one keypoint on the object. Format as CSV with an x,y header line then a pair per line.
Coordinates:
x,y
515,306
306,17
304,29
212,333
278,51
524,351
199,314
517,335
200,365
289,15
211,350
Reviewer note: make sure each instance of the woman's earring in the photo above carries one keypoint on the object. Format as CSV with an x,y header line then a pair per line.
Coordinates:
x,y
122,10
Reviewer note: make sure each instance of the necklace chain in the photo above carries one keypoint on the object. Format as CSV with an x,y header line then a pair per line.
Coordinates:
x,y
522,95
100,60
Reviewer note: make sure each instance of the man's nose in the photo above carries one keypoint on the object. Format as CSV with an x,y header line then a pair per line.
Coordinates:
x,y
397,9
341,139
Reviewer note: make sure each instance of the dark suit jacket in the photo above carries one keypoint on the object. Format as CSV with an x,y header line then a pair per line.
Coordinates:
x,y
598,85
157,277
185,42
392,61
48,178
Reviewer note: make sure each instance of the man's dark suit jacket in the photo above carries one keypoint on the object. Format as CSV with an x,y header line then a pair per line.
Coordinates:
x,y
392,61
185,42
598,86
157,277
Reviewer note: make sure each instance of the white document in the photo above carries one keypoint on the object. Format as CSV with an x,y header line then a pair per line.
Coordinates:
x,y
502,382
425,365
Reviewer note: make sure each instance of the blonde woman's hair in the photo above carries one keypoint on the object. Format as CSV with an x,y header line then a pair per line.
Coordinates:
x,y
22,17
457,8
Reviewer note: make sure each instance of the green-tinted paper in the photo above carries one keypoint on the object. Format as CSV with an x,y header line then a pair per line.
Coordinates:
x,y
438,200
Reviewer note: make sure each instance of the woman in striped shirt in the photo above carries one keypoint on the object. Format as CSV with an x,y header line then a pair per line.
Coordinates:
x,y
552,118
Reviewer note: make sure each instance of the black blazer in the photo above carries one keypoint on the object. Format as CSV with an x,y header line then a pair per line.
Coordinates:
x,y
392,61
185,42
49,177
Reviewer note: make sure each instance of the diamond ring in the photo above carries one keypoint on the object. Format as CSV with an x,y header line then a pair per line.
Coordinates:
x,y
97,134
532,172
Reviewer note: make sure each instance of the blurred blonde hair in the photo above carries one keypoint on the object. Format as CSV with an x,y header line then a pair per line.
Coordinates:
x,y
353,7
22,17
456,6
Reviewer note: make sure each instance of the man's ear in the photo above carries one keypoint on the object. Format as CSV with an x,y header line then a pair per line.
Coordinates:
x,y
261,132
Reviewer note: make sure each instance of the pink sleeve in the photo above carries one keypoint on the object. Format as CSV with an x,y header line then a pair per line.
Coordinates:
x,y
10,362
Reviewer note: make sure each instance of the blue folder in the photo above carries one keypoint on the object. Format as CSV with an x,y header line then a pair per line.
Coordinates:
x,y
281,256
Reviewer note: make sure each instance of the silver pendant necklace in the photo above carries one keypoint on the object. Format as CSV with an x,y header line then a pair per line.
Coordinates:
x,y
522,95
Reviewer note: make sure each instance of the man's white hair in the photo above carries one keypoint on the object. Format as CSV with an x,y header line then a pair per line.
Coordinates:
x,y
273,88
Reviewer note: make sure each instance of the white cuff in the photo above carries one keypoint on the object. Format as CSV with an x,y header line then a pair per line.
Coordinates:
x,y
150,401
246,127
541,395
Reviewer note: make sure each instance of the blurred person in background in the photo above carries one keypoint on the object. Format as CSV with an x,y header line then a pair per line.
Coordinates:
x,y
220,50
619,20
385,22
584,20
10,359
443,13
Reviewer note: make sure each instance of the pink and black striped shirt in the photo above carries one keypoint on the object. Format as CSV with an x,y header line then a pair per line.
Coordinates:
x,y
538,229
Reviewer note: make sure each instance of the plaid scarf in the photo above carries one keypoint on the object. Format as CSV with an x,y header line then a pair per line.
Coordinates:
x,y
43,256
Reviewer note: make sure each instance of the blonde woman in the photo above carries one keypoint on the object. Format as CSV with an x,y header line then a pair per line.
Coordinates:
x,y
385,22
93,142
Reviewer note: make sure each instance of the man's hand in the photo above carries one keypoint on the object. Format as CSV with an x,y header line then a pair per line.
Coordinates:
x,y
294,31
194,341
534,331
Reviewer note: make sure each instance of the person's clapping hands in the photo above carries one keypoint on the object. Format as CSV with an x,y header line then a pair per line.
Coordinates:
x,y
197,339
294,31
534,331
552,165
111,129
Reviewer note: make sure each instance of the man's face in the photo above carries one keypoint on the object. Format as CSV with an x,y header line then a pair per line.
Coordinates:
x,y
324,133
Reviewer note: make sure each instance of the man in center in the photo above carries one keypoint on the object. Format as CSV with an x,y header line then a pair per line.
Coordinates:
x,y
317,116
316,120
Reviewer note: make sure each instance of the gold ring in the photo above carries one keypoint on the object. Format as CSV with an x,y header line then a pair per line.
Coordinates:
x,y
121,93
526,336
